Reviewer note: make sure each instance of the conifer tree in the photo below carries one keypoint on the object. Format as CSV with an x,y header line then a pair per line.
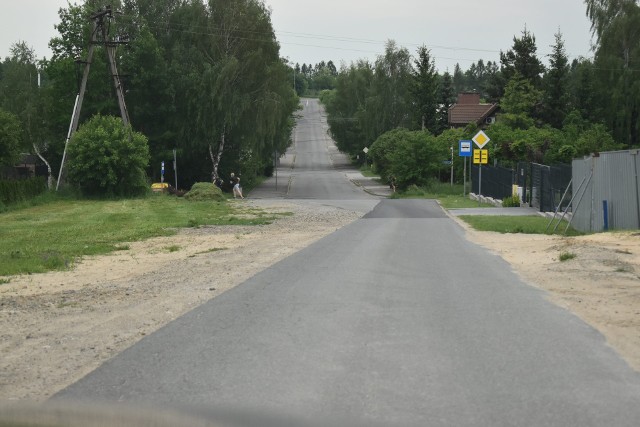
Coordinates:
x,y
555,85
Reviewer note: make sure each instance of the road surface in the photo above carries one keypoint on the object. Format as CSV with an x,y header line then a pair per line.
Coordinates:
x,y
393,320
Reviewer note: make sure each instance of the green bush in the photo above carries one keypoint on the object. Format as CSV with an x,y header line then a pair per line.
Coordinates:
x,y
413,157
12,191
511,201
107,158
205,191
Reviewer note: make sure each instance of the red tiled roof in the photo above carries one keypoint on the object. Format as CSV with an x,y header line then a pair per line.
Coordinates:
x,y
463,114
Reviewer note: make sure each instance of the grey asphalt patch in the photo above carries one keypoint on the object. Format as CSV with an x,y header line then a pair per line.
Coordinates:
x,y
410,209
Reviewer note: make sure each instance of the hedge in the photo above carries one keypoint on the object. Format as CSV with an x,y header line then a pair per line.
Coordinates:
x,y
12,191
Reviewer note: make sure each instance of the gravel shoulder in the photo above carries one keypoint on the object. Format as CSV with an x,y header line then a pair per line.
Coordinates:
x,y
59,326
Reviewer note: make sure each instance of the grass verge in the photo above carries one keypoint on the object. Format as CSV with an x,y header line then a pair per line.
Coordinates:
x,y
366,171
515,224
449,196
51,236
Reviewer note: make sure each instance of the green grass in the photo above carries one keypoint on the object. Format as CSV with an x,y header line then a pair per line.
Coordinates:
x,y
173,248
566,256
450,197
52,236
366,171
515,224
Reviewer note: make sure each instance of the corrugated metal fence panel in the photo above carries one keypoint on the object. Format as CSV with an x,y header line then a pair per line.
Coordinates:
x,y
581,169
618,188
614,180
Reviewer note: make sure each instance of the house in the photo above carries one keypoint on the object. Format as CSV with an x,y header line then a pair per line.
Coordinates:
x,y
28,166
468,109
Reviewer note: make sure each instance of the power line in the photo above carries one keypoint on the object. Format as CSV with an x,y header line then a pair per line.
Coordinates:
x,y
211,31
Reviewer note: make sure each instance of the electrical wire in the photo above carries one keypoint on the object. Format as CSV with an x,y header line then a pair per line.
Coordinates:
x,y
212,31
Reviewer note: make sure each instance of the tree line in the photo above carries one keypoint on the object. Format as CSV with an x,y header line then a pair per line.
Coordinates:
x,y
548,113
203,78
310,79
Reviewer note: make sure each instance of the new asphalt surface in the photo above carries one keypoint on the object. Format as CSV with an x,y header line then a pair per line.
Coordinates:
x,y
393,320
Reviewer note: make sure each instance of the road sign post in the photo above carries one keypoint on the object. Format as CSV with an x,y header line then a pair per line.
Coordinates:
x,y
452,165
464,151
175,167
480,157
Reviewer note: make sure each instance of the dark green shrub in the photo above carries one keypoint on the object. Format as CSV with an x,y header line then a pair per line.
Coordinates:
x,y
12,191
413,157
107,158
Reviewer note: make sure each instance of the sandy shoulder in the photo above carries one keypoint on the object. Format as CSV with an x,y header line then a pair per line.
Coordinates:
x,y
59,326
601,285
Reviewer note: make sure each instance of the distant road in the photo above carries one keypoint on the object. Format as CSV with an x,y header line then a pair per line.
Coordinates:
x,y
313,168
393,320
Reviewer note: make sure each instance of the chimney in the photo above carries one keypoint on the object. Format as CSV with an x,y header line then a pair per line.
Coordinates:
x,y
467,98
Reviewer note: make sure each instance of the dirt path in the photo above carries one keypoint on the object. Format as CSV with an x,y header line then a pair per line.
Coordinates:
x,y
57,327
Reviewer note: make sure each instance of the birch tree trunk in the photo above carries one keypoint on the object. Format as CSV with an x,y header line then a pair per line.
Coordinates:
x,y
215,159
49,173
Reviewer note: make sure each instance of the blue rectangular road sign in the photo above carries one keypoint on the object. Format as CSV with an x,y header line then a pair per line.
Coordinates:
x,y
465,148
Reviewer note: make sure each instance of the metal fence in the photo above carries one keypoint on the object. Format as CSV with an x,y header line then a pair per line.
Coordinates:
x,y
606,192
497,181
542,186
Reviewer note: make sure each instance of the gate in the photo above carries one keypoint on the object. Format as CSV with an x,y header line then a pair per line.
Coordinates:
x,y
543,186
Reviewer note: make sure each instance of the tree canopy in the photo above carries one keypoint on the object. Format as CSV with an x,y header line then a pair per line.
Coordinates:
x,y
193,82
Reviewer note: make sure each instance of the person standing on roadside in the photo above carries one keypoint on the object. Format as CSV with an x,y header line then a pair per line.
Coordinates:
x,y
237,190
232,180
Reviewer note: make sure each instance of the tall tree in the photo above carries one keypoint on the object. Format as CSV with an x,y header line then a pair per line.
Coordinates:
x,y
519,102
555,85
10,138
346,109
582,89
522,58
459,81
20,94
424,90
446,98
616,25
196,82
493,82
389,105
19,91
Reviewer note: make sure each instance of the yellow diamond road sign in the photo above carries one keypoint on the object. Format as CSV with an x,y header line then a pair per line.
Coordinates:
x,y
481,139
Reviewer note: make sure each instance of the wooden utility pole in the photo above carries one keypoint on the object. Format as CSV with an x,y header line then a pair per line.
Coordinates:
x,y
100,28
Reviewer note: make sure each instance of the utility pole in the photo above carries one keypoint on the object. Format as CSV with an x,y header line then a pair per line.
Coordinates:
x,y
100,19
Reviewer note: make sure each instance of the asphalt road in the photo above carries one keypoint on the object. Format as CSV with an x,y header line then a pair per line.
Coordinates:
x,y
393,320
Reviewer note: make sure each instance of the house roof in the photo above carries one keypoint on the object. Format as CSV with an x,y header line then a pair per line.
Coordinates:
x,y
463,114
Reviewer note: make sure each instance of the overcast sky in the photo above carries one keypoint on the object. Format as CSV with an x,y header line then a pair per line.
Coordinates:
x,y
461,31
